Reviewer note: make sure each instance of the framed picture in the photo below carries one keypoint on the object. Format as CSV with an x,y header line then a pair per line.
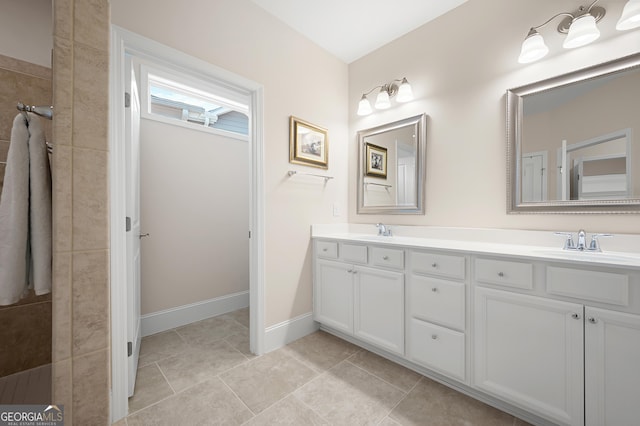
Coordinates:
x,y
308,144
376,161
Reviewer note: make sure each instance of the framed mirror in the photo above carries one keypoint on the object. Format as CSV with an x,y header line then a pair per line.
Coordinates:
x,y
391,167
570,142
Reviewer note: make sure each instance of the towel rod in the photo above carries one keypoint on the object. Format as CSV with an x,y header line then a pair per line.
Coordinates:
x,y
42,111
378,184
293,172
3,162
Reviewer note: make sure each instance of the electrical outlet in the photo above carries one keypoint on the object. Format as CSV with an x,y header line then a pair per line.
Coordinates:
x,y
336,210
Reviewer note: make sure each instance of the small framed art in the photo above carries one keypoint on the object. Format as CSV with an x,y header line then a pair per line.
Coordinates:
x,y
376,161
308,144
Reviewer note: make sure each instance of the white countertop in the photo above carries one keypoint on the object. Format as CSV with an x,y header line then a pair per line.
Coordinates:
x,y
540,245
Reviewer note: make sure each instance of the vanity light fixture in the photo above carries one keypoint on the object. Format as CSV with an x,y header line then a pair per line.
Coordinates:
x,y
630,17
580,27
383,99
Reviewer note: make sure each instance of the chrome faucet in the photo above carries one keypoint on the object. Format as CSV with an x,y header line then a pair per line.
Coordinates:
x,y
383,230
581,245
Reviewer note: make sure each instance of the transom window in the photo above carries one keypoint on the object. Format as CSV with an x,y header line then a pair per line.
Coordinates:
x,y
187,102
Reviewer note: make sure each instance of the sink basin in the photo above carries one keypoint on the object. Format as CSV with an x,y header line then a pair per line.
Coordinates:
x,y
591,256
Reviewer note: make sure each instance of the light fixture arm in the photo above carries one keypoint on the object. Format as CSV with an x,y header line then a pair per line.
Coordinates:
x,y
533,29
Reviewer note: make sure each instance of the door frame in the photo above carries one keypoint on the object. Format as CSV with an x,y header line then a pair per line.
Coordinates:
x,y
126,42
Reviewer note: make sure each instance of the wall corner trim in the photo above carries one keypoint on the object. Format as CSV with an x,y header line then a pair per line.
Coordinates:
x,y
281,334
167,319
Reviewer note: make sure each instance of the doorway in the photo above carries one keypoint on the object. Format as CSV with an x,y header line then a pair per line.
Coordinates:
x,y
125,43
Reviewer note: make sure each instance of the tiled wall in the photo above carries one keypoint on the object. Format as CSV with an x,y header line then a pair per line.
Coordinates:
x,y
26,326
81,341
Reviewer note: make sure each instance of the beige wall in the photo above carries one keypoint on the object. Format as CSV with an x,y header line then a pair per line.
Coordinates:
x,y
299,79
25,30
460,66
194,203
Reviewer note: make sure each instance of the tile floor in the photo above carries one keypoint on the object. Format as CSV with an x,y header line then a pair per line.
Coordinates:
x,y
204,374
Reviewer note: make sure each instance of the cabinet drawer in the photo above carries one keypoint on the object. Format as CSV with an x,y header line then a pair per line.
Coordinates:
x,y
605,287
438,348
353,253
327,249
438,300
503,272
387,258
442,265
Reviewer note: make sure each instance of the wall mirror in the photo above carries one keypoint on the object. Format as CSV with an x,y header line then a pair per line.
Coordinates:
x,y
391,167
570,142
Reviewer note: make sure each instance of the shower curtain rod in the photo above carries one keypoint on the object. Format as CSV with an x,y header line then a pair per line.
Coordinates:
x,y
42,111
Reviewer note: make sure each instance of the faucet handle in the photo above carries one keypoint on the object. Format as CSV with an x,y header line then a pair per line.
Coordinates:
x,y
568,243
595,245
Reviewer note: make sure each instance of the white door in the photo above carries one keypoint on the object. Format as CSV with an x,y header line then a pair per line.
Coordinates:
x,y
132,148
533,178
612,370
529,351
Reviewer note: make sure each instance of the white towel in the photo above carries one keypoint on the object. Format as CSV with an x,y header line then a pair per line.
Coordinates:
x,y
25,214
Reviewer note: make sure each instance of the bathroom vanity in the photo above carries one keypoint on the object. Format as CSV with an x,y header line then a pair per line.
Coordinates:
x,y
550,335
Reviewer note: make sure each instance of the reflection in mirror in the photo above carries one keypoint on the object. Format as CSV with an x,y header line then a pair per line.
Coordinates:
x,y
570,141
391,167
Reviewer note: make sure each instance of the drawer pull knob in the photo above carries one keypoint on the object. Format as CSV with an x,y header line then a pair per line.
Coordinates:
x,y
324,249
592,320
434,336
434,289
501,274
575,316
385,257
434,265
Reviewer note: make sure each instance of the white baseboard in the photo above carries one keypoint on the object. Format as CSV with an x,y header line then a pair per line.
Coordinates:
x,y
281,334
157,322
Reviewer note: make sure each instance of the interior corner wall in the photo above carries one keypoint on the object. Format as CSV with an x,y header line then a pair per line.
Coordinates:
x,y
460,67
194,203
299,79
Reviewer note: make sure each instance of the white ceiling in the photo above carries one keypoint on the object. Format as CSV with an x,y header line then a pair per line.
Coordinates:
x,y
350,29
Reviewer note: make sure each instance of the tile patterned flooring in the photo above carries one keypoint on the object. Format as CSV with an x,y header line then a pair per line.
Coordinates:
x,y
204,374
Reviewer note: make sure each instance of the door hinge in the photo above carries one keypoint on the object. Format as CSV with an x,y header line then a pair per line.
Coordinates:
x,y
129,348
249,234
128,224
127,99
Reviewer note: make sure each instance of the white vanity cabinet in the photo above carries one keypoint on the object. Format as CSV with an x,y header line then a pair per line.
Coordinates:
x,y
529,352
553,339
363,301
436,317
612,367
564,360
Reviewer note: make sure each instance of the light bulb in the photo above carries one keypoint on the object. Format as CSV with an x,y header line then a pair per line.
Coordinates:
x,y
405,94
533,48
630,17
364,107
382,101
583,30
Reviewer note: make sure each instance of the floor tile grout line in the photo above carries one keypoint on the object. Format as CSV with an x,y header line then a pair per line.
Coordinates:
x,y
166,378
402,399
238,397
380,378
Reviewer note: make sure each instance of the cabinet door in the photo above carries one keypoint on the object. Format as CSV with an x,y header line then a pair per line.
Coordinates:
x,y
612,368
379,308
333,295
529,351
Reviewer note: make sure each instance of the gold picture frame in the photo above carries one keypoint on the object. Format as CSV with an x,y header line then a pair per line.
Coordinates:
x,y
375,161
308,144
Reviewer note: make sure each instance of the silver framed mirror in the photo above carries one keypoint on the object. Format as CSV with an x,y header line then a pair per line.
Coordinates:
x,y
391,167
570,142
